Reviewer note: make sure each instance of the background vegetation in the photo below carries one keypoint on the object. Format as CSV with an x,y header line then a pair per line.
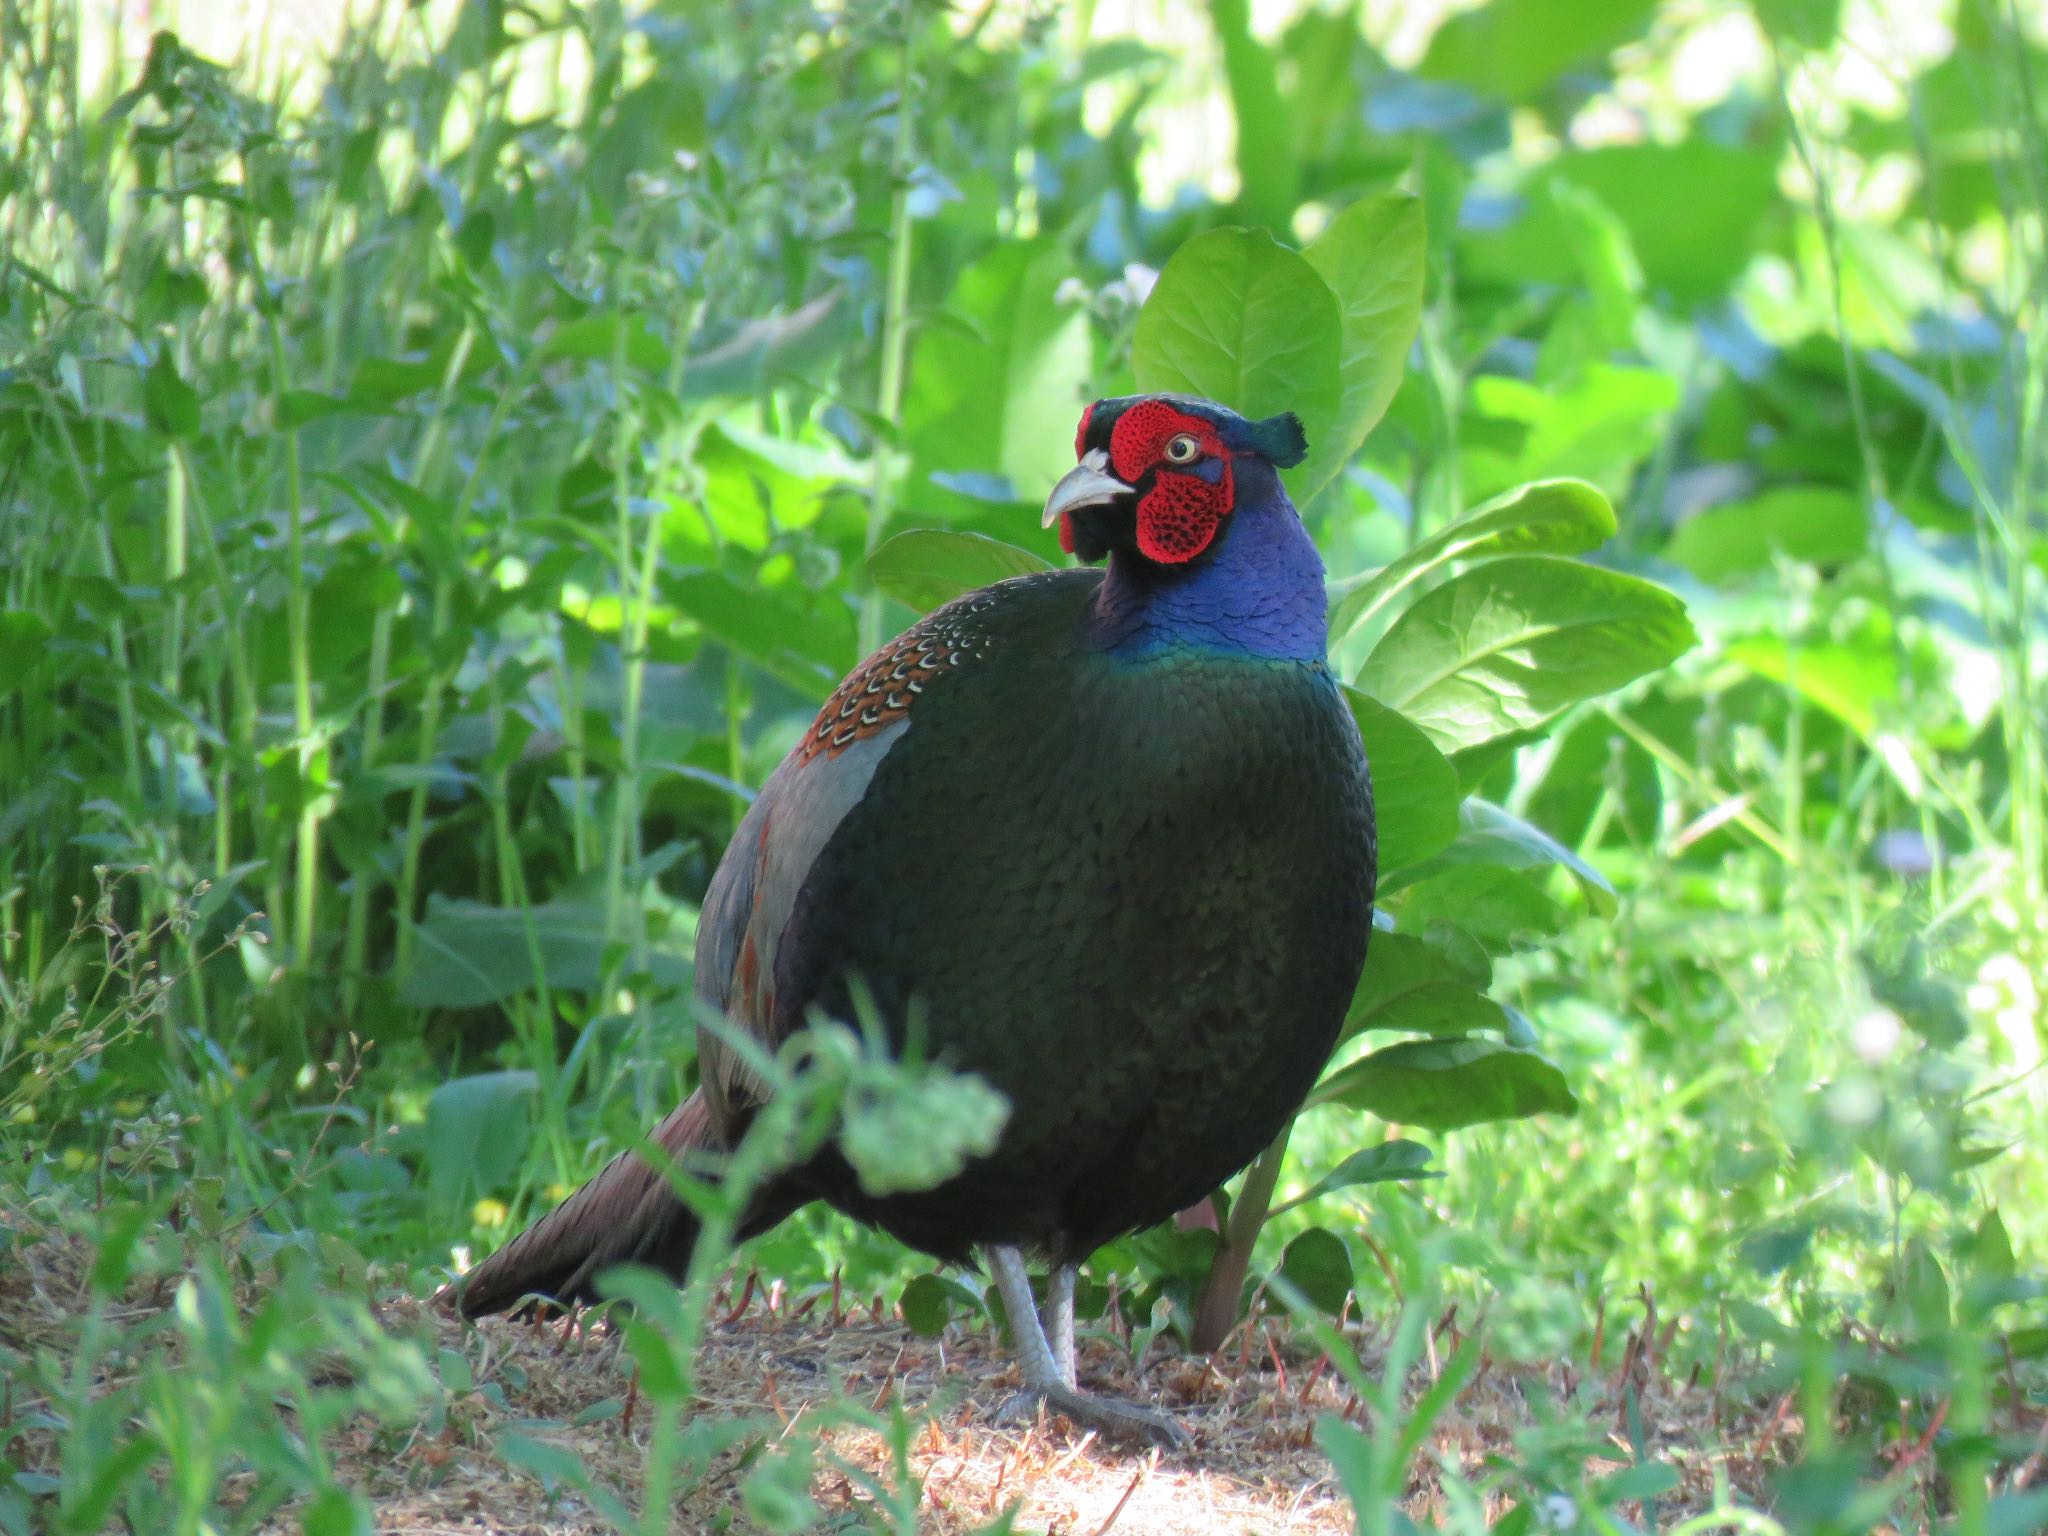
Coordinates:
x,y
444,459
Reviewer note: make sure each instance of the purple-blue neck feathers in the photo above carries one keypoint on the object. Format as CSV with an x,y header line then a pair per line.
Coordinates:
x,y
1258,591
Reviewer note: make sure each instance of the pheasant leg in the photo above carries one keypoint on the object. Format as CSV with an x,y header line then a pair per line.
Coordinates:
x,y
1059,1322
1043,1382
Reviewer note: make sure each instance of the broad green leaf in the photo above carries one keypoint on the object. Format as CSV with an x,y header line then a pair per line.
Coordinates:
x,y
1507,645
1549,517
1239,319
477,1131
1924,1288
808,638
1319,1266
382,381
1644,1480
24,634
1989,1249
1599,424
1606,259
1512,49
1849,682
1810,23
1388,1163
605,335
754,488
1414,788
1371,255
663,1376
1820,524
1446,1084
171,404
926,1305
929,566
1692,211
335,1512
554,1465
998,383
469,955
1498,907
1412,986
1490,835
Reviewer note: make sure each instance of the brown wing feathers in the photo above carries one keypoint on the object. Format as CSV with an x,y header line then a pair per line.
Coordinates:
x,y
627,1213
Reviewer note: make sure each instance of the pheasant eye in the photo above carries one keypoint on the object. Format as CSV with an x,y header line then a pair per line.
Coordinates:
x,y
1182,449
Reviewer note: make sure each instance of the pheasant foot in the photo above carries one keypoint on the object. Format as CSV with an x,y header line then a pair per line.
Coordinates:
x,y
1049,1368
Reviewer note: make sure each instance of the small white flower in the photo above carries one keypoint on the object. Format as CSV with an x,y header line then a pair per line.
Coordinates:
x,y
1875,1034
1070,291
1557,1512
1138,279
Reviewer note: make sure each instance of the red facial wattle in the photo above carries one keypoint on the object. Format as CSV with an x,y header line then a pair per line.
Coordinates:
x,y
1178,517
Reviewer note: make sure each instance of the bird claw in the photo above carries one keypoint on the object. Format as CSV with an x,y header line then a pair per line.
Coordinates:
x,y
1111,1417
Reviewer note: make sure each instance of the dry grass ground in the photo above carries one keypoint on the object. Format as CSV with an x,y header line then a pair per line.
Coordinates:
x,y
1253,1465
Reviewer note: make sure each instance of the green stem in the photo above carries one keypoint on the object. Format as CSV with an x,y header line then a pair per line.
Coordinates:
x,y
1216,1308
416,804
355,948
895,334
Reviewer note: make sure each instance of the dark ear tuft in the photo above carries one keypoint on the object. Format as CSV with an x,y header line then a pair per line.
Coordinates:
x,y
1280,440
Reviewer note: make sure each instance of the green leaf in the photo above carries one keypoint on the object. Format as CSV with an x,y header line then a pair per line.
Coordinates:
x,y
998,383
1598,424
1693,211
297,407
1810,23
1819,524
1490,835
601,336
1850,682
1925,1290
477,1131
170,404
1446,1084
1390,1162
1506,646
24,637
929,566
926,1305
1644,1480
1246,322
1989,1250
1414,787
807,638
1606,258
1319,1266
663,1375
1512,49
554,1465
383,381
122,1225
1499,907
336,1512
1549,517
469,955
1371,255
1413,986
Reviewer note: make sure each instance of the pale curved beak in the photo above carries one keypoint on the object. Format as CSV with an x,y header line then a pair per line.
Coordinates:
x,y
1087,484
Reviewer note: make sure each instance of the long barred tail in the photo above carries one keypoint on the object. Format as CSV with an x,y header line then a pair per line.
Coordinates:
x,y
627,1214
